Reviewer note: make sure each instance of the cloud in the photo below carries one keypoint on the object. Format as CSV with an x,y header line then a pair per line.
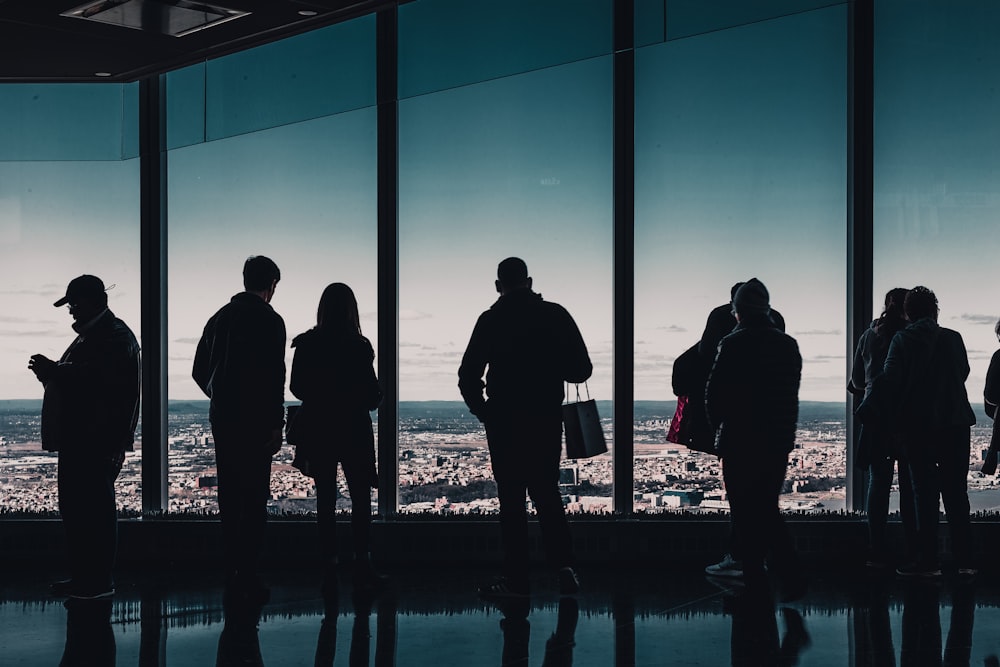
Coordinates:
x,y
672,328
819,332
46,290
187,341
975,318
407,314
50,333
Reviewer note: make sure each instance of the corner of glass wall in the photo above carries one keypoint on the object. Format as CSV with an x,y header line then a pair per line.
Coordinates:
x,y
69,205
272,151
740,163
937,196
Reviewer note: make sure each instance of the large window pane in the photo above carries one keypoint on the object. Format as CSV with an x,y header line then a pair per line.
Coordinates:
x,y
302,193
740,172
288,81
937,160
516,166
58,220
449,43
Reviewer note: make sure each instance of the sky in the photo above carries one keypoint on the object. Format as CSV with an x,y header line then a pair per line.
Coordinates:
x,y
740,172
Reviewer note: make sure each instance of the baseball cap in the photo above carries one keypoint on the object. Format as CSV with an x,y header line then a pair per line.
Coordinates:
x,y
82,287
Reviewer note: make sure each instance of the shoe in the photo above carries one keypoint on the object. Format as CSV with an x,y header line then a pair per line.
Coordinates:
x,y
727,567
918,571
569,583
502,587
61,588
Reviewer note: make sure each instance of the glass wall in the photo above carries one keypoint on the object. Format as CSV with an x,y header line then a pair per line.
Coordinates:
x,y
272,153
740,163
504,150
937,177
69,205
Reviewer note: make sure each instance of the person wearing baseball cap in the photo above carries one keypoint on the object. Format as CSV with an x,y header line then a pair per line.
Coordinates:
x,y
89,414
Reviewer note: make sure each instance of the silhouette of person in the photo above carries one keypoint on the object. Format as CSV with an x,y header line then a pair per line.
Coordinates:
x,y
90,640
89,415
531,347
922,391
517,634
752,402
240,365
754,637
359,653
991,398
239,641
694,366
921,644
879,448
721,322
872,629
991,391
332,374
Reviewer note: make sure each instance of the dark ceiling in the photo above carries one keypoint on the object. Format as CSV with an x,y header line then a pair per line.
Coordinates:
x,y
38,44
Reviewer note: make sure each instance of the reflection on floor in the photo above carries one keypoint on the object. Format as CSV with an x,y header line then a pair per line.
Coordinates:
x,y
433,617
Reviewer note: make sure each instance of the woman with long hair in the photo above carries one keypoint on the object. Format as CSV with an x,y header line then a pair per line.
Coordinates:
x,y
878,448
334,377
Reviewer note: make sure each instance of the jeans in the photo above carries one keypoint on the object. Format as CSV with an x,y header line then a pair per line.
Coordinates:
x,y
244,470
939,468
753,482
524,451
90,515
877,506
361,514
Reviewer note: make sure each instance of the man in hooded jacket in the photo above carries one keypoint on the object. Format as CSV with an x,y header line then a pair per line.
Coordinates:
x,y
531,347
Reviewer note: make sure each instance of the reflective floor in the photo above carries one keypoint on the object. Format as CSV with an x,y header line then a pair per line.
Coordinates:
x,y
433,617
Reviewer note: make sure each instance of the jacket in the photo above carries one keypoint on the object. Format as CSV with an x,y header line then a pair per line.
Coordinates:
x,y
91,400
922,384
752,393
240,365
531,347
332,375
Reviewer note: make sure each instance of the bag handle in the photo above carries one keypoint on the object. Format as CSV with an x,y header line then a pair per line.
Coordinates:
x,y
577,385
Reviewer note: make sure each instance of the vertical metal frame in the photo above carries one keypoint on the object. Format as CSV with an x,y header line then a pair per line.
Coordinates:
x,y
860,206
386,45
153,273
624,255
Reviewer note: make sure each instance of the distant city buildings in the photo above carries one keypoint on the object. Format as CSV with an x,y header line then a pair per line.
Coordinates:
x,y
444,469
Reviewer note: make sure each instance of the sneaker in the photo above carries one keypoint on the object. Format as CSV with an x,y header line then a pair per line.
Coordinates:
x,y
918,571
727,567
502,587
569,583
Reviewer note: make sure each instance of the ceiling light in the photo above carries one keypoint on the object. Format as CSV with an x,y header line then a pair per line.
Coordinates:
x,y
176,17
307,12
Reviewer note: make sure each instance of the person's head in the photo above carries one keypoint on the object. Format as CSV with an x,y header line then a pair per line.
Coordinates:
x,y
338,309
894,300
751,299
261,276
512,273
996,329
86,297
732,290
919,303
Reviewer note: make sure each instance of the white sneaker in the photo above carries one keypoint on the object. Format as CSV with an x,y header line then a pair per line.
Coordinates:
x,y
727,567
